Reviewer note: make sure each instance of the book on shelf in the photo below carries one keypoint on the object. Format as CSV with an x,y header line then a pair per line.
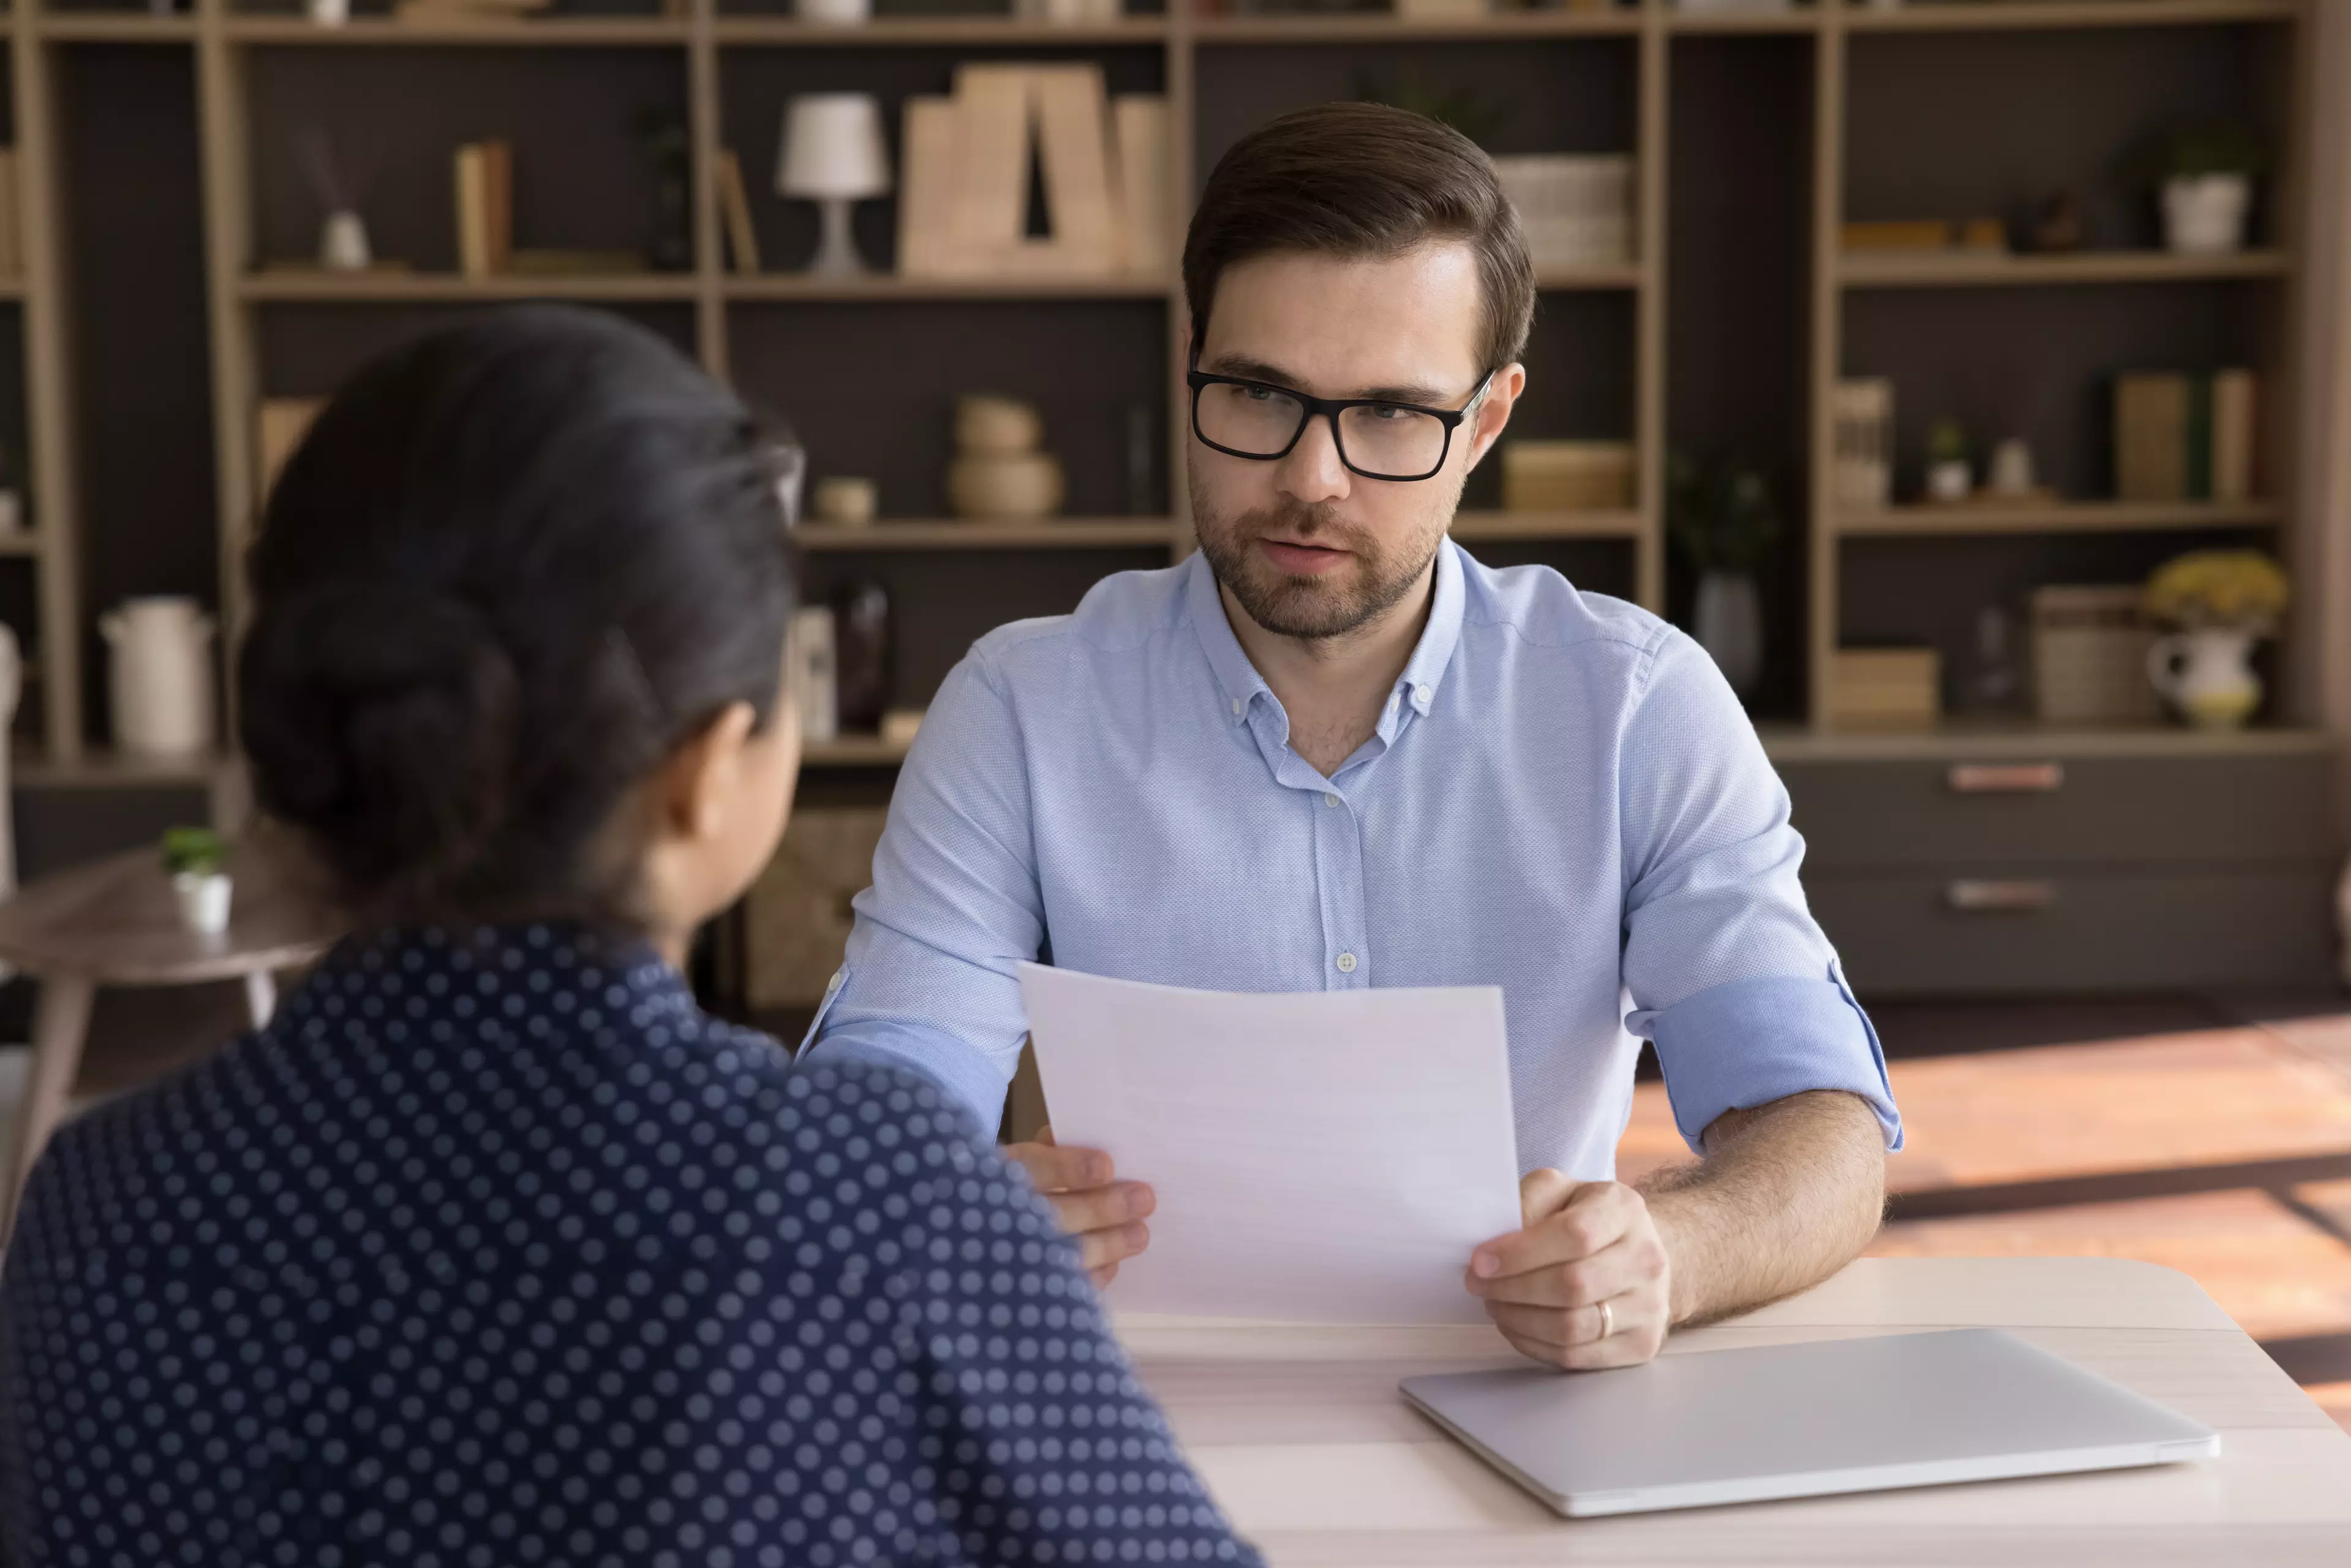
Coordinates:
x,y
963,206
1568,475
734,207
485,208
2182,437
1576,209
1891,687
1074,133
1139,125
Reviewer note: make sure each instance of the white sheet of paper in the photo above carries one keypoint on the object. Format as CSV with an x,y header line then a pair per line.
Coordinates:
x,y
1318,1157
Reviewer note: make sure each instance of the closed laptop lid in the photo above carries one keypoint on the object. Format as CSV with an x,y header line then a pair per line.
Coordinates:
x,y
1795,1420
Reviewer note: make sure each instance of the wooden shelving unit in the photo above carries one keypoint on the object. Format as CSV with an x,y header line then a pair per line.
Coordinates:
x,y
1849,43
771,332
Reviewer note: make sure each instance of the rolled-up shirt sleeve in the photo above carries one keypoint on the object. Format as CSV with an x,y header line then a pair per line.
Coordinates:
x,y
1731,977
930,982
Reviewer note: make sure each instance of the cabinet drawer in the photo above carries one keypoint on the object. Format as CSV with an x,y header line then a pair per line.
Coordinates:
x,y
2134,811
2053,929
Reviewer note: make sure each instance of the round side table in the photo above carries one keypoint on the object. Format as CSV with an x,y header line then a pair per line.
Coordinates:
x,y
116,922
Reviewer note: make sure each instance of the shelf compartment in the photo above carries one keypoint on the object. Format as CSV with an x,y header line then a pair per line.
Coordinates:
x,y
936,32
1935,269
881,287
590,32
2019,15
296,286
1471,527
1066,533
1966,521
23,542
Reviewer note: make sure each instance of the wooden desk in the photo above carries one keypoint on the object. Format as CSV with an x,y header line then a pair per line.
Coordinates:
x,y
1303,1438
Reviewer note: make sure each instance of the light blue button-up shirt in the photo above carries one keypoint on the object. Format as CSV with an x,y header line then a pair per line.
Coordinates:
x,y
1563,799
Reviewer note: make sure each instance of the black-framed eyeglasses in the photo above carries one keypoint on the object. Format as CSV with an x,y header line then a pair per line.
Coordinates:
x,y
1376,438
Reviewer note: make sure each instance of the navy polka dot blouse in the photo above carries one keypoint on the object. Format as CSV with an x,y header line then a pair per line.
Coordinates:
x,y
499,1251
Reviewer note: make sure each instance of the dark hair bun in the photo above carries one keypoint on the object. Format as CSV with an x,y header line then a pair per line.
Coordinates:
x,y
393,732
512,565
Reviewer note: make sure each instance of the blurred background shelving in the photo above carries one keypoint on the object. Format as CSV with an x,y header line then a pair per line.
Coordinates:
x,y
158,327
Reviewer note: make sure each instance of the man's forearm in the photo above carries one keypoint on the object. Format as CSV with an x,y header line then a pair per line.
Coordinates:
x,y
1788,1194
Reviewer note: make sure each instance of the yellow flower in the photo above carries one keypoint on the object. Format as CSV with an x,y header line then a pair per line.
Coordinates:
x,y
2242,590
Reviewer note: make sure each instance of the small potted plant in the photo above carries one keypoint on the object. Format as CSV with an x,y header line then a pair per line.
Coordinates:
x,y
1727,527
2220,603
1948,477
195,858
2205,173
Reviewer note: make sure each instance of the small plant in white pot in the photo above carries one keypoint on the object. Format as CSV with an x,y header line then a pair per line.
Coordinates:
x,y
2204,175
196,860
1725,524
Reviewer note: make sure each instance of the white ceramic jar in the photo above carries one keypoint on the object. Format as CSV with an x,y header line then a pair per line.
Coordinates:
x,y
161,676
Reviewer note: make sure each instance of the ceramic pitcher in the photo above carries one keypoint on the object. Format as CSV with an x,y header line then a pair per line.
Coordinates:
x,y
2208,675
161,676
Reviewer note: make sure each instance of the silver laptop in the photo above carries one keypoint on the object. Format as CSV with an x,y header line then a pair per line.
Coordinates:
x,y
1800,1420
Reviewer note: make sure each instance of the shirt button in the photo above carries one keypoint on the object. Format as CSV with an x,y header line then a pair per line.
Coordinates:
x,y
1346,963
1329,798
1237,707
1421,694
834,984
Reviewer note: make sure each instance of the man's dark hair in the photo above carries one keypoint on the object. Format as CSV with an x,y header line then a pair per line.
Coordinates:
x,y
512,566
1363,179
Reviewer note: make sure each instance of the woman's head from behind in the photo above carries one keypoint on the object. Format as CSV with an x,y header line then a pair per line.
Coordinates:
x,y
521,599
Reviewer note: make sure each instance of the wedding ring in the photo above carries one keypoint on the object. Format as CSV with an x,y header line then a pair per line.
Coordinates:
x,y
1607,1320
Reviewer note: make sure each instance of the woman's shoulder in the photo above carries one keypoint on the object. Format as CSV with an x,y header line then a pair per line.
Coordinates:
x,y
858,1110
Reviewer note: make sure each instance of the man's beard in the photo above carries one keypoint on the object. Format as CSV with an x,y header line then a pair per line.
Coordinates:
x,y
1312,609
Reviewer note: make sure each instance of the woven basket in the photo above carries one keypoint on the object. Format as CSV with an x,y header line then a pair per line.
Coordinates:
x,y
2089,657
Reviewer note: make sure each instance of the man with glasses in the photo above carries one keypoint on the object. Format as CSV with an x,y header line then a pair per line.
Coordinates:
x,y
1332,751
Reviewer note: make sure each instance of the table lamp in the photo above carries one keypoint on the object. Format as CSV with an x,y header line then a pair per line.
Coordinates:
x,y
833,155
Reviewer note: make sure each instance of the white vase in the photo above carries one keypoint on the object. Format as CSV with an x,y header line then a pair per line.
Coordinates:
x,y
329,13
2205,214
1949,479
835,12
160,678
203,899
1730,626
2207,675
343,243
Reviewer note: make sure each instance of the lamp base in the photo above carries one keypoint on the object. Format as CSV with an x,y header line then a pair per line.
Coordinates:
x,y
836,253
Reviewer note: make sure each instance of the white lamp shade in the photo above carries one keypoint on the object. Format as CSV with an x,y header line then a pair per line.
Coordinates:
x,y
833,148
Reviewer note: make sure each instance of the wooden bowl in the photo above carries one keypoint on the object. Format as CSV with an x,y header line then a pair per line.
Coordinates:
x,y
996,426
1025,485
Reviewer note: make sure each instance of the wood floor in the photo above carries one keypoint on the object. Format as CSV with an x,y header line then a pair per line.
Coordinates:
x,y
2213,1137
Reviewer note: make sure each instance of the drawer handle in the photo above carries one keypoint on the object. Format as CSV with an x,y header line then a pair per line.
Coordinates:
x,y
2000,897
2008,778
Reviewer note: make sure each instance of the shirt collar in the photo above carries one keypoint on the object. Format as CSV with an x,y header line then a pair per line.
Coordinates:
x,y
1239,682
